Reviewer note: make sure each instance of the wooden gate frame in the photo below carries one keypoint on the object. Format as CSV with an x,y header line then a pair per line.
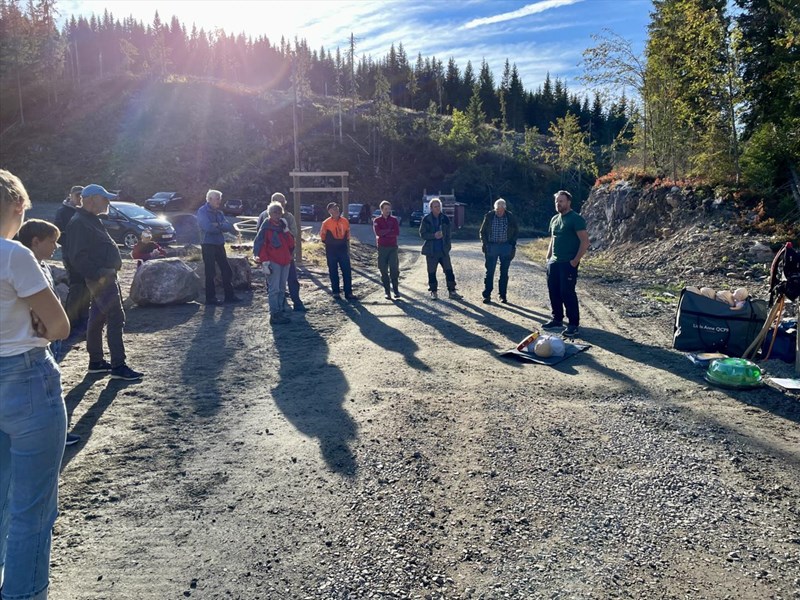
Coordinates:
x,y
297,190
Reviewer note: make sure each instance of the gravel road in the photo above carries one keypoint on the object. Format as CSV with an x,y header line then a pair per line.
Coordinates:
x,y
382,449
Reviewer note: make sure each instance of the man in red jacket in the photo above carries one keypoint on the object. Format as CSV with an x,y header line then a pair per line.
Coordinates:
x,y
387,229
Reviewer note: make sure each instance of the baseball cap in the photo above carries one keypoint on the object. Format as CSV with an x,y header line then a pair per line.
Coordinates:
x,y
76,189
94,189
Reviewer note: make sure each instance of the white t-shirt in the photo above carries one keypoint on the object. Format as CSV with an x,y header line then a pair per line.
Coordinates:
x,y
20,277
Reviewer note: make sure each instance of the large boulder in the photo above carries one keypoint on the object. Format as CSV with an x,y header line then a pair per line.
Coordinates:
x,y
242,273
164,281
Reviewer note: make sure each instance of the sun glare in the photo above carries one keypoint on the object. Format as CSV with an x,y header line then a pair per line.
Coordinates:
x,y
309,19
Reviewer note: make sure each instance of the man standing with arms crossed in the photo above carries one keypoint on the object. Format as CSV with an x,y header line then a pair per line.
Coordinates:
x,y
569,241
212,225
387,230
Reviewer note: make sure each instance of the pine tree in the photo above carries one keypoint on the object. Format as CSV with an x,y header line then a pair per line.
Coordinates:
x,y
491,104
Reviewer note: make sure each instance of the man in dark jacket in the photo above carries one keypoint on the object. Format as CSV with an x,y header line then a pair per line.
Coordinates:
x,y
95,257
499,232
77,304
435,230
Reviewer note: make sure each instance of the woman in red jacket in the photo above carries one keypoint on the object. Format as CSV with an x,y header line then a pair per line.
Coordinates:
x,y
274,247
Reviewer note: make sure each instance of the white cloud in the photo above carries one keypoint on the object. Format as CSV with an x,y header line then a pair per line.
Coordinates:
x,y
525,11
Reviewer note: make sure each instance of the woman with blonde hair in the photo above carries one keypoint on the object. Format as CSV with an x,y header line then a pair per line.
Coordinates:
x,y
33,420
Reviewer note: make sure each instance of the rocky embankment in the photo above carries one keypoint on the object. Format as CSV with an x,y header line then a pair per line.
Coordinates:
x,y
675,236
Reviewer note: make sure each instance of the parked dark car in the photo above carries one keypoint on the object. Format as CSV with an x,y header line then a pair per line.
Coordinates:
x,y
233,207
416,218
126,221
310,212
377,214
165,201
359,213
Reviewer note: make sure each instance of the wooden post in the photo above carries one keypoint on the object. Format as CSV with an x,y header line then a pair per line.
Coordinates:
x,y
298,243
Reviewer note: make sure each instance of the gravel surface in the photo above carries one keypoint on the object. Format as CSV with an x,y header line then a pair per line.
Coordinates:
x,y
382,449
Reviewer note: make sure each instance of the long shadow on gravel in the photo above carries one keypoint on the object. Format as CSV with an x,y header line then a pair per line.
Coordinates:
x,y
150,319
207,359
675,363
311,393
91,417
427,312
385,336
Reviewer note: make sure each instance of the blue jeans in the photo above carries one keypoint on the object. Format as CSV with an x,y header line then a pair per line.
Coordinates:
x,y
504,252
33,428
339,258
106,310
276,287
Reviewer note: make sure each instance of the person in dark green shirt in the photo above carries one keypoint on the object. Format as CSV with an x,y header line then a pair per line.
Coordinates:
x,y
568,243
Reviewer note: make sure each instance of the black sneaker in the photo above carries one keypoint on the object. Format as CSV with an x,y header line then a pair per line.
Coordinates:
x,y
72,439
553,325
126,373
503,300
351,297
101,366
300,308
396,293
454,295
487,300
337,295
572,330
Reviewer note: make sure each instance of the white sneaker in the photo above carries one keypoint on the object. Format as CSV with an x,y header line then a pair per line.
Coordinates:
x,y
454,295
434,296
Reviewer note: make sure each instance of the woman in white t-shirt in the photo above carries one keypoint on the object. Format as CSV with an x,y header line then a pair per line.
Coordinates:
x,y
33,420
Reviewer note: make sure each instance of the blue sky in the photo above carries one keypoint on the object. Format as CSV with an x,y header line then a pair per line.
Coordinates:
x,y
539,36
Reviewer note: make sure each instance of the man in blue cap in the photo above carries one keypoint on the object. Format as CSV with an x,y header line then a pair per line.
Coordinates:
x,y
95,257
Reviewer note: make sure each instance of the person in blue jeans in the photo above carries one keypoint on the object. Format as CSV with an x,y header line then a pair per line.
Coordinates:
x,y
498,235
33,418
568,243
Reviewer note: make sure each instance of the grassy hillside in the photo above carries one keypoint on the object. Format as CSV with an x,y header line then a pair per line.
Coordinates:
x,y
142,135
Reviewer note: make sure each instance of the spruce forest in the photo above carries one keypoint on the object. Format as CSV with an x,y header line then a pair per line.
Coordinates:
x,y
714,100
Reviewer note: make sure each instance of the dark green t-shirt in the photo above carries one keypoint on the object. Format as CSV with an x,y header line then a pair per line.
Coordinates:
x,y
564,230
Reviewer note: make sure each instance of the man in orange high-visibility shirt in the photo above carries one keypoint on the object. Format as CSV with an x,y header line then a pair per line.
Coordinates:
x,y
335,234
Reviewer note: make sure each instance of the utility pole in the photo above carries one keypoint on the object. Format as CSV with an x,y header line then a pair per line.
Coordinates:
x,y
298,245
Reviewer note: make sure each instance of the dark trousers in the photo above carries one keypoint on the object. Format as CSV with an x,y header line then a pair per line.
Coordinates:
x,y
105,310
491,264
214,254
389,266
433,261
339,258
77,304
294,285
561,280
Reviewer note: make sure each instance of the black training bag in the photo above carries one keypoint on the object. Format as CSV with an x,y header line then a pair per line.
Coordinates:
x,y
706,325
